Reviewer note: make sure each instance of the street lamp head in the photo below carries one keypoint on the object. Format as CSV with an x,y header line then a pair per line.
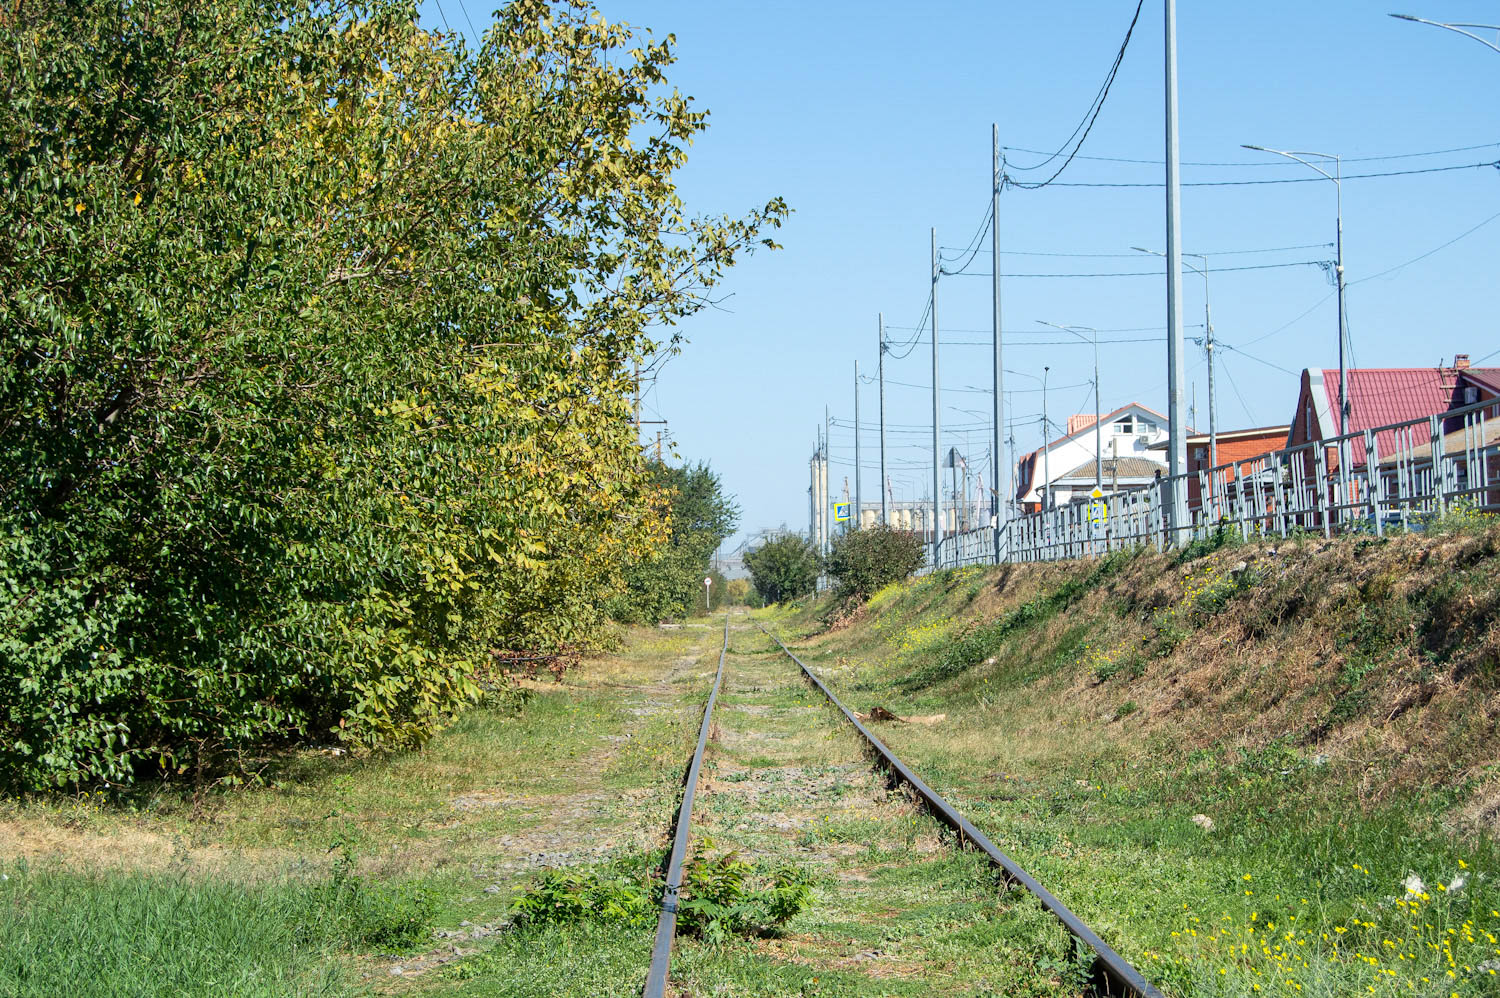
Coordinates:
x,y
1405,17
1142,249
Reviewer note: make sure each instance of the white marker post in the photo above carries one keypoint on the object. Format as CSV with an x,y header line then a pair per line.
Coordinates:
x,y
708,588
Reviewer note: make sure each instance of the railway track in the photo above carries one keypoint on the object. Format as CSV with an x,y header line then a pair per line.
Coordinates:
x,y
1111,973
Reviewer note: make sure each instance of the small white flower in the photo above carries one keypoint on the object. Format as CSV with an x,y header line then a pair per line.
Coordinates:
x,y
1458,882
1414,885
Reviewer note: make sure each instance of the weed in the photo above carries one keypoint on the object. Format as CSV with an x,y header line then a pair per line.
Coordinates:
x,y
567,896
720,898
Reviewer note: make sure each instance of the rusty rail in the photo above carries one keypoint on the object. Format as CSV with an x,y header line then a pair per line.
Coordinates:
x,y
1111,970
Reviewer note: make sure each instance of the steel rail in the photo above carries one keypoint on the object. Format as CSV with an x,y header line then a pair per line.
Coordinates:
x,y
666,924
1118,975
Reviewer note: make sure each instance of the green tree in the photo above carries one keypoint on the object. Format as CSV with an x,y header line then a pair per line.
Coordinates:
x,y
318,330
862,561
669,582
783,568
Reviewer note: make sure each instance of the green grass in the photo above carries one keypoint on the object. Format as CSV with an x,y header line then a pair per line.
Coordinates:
x,y
242,892
104,936
1097,800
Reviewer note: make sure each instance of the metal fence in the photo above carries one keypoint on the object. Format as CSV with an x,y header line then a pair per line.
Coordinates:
x,y
1401,475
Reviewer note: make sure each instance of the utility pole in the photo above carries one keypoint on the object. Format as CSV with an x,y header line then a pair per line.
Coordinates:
x,y
1046,451
858,508
1177,438
828,497
937,471
1208,348
1000,507
885,513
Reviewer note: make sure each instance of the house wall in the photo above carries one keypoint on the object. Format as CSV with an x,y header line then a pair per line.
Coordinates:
x,y
1237,450
1066,455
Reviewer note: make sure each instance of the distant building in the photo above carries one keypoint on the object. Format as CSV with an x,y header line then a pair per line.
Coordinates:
x,y
1235,446
1065,467
1381,396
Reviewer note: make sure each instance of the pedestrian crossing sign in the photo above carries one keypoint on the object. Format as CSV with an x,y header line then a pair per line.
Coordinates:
x,y
840,512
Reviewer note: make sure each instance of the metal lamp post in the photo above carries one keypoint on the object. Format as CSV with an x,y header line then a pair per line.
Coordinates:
x,y
1208,348
1338,270
1078,331
1458,27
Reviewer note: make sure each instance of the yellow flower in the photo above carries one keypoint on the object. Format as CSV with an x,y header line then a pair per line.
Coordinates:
x,y
80,208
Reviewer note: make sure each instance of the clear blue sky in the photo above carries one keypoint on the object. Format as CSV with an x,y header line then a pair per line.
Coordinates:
x,y
873,121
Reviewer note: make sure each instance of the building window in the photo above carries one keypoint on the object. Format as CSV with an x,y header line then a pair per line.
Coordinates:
x,y
1126,424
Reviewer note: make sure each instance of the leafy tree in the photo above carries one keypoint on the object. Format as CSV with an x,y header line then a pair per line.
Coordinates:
x,y
669,583
737,591
862,561
317,332
783,568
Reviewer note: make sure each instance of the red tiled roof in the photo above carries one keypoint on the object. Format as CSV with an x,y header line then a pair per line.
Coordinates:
x,y
1489,377
1380,396
1082,421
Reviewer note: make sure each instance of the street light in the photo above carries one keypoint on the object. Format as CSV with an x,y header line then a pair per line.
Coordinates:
x,y
1208,348
1338,271
1078,331
1456,26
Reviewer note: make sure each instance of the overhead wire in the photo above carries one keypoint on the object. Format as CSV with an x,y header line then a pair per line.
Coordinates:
x,y
1158,273
1281,163
1408,263
1092,115
1282,180
1136,255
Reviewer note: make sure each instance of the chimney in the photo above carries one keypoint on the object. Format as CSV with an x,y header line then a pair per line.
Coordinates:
x,y
1460,362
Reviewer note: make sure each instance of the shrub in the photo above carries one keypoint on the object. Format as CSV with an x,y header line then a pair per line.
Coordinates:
x,y
862,561
565,896
720,898
783,568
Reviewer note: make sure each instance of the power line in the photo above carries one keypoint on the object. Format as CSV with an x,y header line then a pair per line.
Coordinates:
x,y
1158,273
1284,180
1051,343
988,391
1137,255
1090,116
1424,256
1278,163
1046,332
1227,346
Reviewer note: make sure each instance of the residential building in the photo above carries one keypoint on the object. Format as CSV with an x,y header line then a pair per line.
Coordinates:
x,y
1235,447
1064,469
1383,396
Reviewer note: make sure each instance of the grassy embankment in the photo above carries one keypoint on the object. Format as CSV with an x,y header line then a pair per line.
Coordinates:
x,y
1232,770
340,870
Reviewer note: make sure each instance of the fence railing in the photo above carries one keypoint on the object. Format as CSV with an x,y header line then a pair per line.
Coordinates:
x,y
1403,474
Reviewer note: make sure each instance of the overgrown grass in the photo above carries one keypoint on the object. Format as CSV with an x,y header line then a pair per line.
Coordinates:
x,y
109,935
1197,752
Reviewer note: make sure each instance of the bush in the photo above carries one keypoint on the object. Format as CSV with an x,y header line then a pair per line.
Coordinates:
x,y
722,896
564,896
783,568
862,561
318,333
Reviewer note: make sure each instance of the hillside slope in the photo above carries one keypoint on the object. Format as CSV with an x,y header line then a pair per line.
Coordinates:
x,y
1186,748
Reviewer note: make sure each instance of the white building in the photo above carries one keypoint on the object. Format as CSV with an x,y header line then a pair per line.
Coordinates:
x,y
1064,468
